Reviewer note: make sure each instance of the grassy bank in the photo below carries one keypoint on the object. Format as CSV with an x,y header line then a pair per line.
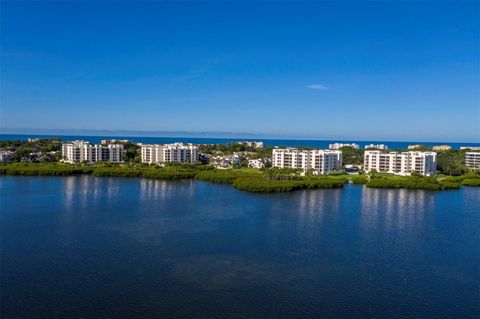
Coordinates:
x,y
247,179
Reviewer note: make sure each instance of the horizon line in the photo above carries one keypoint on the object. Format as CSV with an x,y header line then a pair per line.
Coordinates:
x,y
197,135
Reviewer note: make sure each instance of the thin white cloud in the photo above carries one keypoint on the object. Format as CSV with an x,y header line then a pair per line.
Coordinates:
x,y
318,87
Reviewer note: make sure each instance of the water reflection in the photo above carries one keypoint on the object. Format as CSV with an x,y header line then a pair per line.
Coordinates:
x,y
400,209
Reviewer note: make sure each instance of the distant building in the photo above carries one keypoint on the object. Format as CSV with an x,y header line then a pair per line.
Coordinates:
x,y
472,160
114,141
441,148
81,151
376,146
32,139
5,156
472,148
252,144
337,146
320,161
416,146
404,163
168,153
256,163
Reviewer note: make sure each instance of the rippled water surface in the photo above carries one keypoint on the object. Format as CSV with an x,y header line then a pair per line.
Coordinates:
x,y
86,247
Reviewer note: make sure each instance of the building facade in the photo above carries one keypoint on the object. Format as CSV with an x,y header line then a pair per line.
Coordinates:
x,y
81,151
404,163
5,156
441,148
322,162
337,146
376,146
168,153
472,161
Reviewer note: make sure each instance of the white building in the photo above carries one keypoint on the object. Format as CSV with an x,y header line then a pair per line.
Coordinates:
x,y
472,160
337,146
441,148
256,163
252,144
472,148
5,156
377,146
404,163
81,151
114,141
320,161
167,153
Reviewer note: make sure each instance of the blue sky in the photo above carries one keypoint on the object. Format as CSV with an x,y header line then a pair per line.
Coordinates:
x,y
346,70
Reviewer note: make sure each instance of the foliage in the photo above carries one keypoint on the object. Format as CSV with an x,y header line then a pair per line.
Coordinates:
x,y
451,162
412,182
218,176
351,155
260,184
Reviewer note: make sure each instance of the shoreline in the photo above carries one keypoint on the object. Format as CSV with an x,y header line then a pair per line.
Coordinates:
x,y
259,181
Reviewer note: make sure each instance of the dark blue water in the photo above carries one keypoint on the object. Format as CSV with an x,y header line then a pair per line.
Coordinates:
x,y
202,140
86,247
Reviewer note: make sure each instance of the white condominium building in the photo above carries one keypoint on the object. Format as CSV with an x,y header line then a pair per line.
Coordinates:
x,y
81,151
337,146
167,153
472,160
377,146
321,161
404,163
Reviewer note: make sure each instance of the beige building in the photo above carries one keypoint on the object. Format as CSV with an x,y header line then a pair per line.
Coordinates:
x,y
167,153
441,148
404,163
322,162
472,160
81,151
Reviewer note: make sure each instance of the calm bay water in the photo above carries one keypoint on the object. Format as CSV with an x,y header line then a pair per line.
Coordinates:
x,y
87,247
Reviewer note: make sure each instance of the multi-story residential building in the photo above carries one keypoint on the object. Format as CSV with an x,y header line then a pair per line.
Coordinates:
x,y
81,151
5,156
167,153
471,148
114,141
376,146
252,144
441,148
322,162
472,160
404,163
337,146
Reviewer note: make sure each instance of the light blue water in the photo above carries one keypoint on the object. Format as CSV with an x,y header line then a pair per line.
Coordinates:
x,y
87,247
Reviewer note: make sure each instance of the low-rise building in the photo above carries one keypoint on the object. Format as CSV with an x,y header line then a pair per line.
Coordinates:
x,y
472,161
114,141
81,151
5,156
256,163
376,146
337,146
253,144
471,148
416,146
322,162
441,148
168,153
401,163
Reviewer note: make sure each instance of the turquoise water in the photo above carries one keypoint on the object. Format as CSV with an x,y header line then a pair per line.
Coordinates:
x,y
87,247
